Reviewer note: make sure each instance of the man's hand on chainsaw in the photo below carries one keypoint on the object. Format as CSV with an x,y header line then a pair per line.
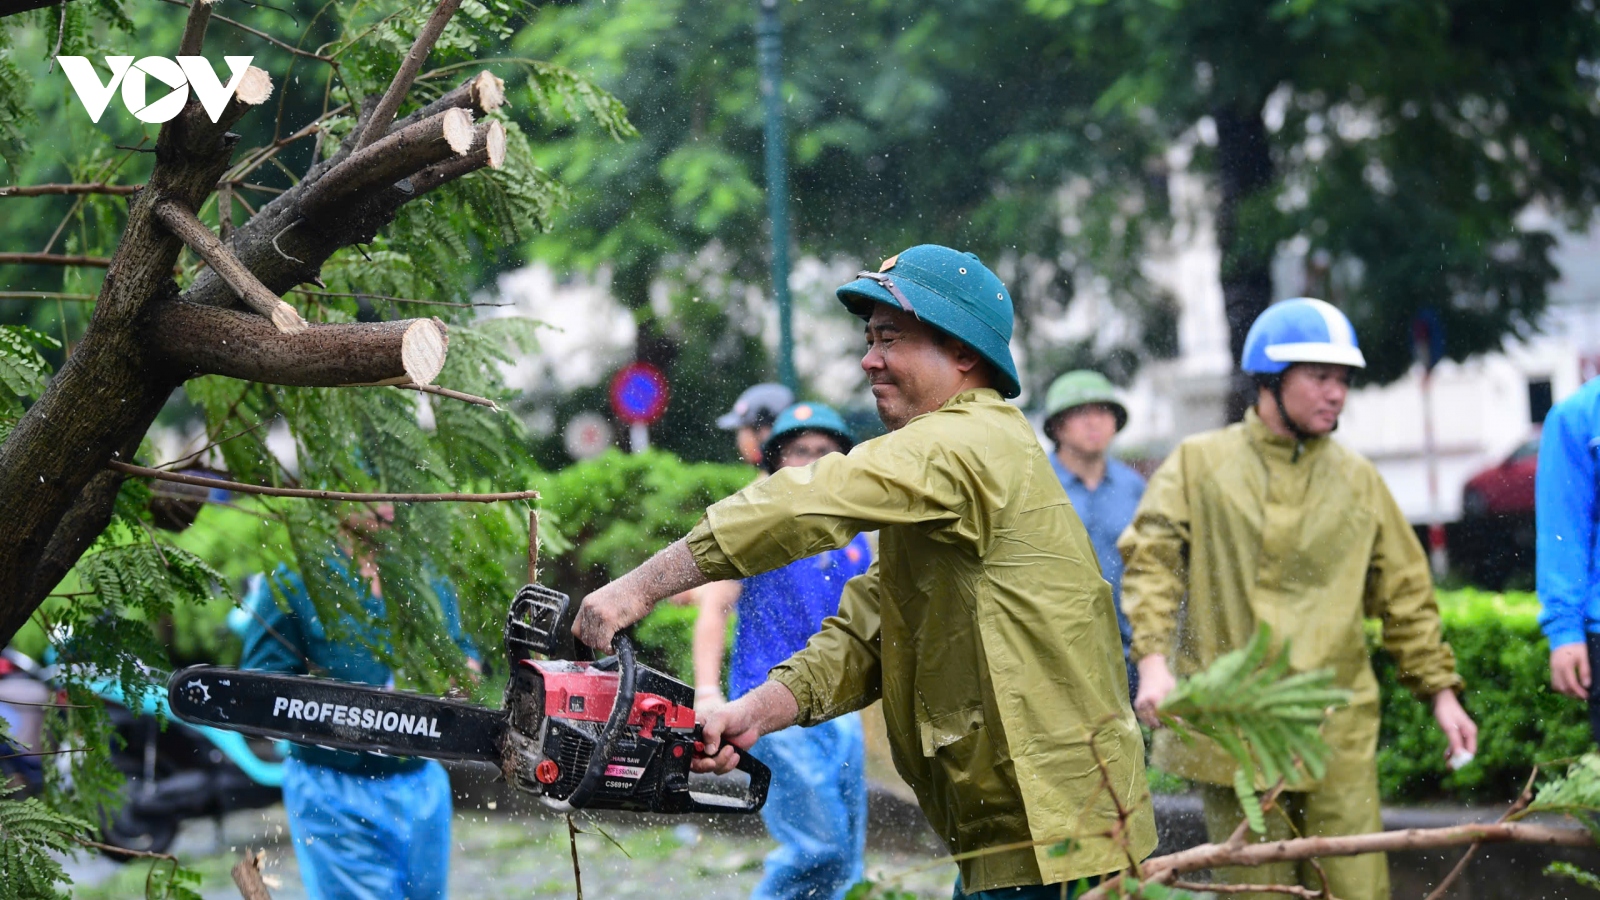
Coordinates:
x,y
606,612
631,597
739,724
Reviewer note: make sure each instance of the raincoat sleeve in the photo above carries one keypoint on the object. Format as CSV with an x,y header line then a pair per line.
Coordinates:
x,y
838,670
1155,555
908,477
272,640
1400,593
1565,508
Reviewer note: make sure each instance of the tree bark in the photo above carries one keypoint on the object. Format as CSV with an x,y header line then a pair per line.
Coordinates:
x,y
197,339
1244,169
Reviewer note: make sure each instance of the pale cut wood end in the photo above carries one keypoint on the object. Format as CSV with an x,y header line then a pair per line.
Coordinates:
x,y
422,350
488,91
288,319
458,129
255,87
495,143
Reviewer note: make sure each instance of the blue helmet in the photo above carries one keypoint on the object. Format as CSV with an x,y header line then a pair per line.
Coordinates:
x,y
806,417
1301,330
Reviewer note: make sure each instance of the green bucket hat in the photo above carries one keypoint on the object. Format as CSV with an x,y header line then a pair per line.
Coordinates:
x,y
950,290
1082,387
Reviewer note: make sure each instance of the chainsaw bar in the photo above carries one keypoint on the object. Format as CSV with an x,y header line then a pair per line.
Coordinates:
x,y
336,714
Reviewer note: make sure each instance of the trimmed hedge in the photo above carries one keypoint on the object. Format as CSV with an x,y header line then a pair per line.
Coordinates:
x,y
1505,661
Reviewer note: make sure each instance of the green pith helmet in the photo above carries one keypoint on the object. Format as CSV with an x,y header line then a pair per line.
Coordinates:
x,y
805,417
1081,387
950,290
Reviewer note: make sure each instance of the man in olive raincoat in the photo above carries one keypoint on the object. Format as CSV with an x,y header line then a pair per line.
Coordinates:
x,y
1270,521
983,624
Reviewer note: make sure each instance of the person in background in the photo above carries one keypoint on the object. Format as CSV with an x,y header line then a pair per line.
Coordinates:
x,y
1270,521
364,826
1082,416
752,416
817,804
983,623
1565,553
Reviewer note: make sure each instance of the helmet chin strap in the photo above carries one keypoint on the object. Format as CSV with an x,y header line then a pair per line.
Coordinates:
x,y
1300,434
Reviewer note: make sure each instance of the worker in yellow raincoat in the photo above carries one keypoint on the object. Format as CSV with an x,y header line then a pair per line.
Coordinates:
x,y
1271,521
983,624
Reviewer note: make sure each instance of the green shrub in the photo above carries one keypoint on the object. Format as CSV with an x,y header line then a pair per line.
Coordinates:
x,y
620,508
1521,721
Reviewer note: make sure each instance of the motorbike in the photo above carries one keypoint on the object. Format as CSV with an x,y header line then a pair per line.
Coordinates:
x,y
180,772
174,773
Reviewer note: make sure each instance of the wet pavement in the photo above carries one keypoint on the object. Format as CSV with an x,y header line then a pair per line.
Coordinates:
x,y
520,855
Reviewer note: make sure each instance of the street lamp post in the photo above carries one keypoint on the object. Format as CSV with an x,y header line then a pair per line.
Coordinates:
x,y
769,53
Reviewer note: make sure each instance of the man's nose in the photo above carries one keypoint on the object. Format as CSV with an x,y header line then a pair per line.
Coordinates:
x,y
871,360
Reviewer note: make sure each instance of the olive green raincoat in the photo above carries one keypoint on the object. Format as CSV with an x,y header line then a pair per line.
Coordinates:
x,y
1309,541
983,624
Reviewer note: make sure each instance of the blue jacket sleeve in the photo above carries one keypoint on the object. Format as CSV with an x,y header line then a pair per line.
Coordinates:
x,y
272,639
450,608
1565,511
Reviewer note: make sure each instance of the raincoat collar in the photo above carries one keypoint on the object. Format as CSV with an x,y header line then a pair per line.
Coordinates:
x,y
976,395
1272,445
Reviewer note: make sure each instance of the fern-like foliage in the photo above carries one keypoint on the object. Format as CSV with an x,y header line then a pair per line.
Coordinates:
x,y
1571,872
31,837
1575,793
1267,719
23,371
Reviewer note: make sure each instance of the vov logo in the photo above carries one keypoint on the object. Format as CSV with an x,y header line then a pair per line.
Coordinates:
x,y
187,72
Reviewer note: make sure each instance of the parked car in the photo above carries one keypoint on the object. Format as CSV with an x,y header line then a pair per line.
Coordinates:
x,y
1493,542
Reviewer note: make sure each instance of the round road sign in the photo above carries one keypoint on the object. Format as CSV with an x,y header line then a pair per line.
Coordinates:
x,y
639,394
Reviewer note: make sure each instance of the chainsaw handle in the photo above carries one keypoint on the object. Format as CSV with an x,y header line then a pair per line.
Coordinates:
x,y
760,779
615,723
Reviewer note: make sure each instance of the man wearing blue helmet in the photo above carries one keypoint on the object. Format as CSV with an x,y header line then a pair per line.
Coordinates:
x,y
983,623
1271,522
817,805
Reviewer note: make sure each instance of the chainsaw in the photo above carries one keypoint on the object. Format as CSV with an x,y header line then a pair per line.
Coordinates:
x,y
580,734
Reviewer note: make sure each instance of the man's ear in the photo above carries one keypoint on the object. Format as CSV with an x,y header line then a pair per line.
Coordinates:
x,y
966,358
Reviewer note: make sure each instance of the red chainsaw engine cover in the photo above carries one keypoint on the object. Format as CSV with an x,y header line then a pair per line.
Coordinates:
x,y
579,691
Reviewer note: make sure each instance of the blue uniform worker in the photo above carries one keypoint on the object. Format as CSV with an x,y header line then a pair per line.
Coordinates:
x,y
817,803
1082,416
365,827
1566,553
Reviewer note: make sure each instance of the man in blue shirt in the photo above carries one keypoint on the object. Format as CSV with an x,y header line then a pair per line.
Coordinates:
x,y
1566,562
817,804
1082,416
364,826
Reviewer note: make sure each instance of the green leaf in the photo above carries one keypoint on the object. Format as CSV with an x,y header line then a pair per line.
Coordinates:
x,y
1568,870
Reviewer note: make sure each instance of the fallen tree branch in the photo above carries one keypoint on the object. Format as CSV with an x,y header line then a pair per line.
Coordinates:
x,y
378,123
1293,890
93,187
474,399
306,493
211,340
1521,803
53,259
183,223
1210,856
